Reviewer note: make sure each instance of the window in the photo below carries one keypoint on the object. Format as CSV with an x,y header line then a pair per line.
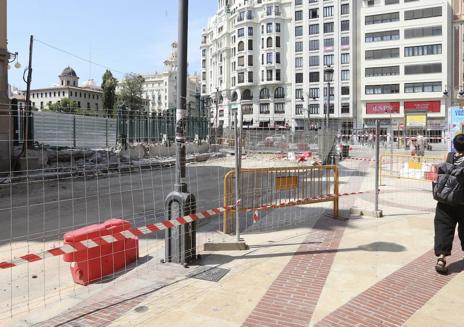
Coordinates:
x,y
382,36
314,109
241,78
250,31
383,89
247,109
345,90
269,42
313,29
298,30
411,33
269,58
313,77
329,43
345,58
269,75
382,18
241,61
313,45
298,109
299,78
345,25
314,92
264,93
269,10
241,46
422,50
269,27
298,15
298,62
241,16
247,95
345,41
382,71
264,108
277,41
328,60
277,76
250,44
328,11
298,93
382,54
279,108
344,9
328,27
279,93
345,75
313,13
313,61
422,87
422,69
241,32
298,2
277,57
422,13
391,2
298,46
345,108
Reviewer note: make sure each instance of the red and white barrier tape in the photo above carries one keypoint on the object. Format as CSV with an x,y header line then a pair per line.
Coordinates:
x,y
152,228
359,159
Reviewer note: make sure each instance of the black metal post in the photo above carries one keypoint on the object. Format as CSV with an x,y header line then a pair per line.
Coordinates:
x,y
181,240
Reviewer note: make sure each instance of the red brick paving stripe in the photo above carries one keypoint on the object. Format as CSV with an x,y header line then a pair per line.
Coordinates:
x,y
292,297
393,300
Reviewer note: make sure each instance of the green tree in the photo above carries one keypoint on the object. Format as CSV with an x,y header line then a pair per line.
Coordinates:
x,y
108,86
64,105
131,92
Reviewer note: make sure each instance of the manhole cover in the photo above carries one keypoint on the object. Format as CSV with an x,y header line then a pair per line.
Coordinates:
x,y
211,275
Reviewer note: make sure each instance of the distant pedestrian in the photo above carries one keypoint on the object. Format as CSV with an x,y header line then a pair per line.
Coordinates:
x,y
448,190
420,145
412,144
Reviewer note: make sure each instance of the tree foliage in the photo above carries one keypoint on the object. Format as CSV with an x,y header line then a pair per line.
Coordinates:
x,y
108,86
64,105
131,92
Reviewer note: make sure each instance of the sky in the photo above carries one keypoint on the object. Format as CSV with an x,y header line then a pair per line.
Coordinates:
x,y
127,36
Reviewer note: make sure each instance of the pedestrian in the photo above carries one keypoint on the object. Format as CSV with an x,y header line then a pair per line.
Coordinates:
x,y
412,146
448,190
420,145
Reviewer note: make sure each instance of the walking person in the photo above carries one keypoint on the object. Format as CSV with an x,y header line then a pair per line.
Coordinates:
x,y
420,145
448,190
412,146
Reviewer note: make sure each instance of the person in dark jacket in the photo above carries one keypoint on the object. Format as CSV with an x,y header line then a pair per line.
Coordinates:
x,y
448,216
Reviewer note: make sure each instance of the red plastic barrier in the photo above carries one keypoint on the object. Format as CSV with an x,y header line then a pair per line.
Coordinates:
x,y
94,263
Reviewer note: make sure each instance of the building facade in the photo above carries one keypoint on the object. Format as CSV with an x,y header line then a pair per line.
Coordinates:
x,y
160,89
87,97
325,40
247,63
458,59
405,54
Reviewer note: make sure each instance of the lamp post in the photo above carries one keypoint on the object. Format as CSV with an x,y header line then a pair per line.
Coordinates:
x,y
328,76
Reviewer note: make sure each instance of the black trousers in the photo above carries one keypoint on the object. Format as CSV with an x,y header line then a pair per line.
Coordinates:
x,y
446,219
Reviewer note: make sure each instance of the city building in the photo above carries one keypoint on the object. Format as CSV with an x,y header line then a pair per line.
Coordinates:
x,y
160,89
458,59
87,96
405,70
247,60
325,53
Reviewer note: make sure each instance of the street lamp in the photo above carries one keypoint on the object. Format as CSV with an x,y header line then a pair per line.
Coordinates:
x,y
13,56
328,76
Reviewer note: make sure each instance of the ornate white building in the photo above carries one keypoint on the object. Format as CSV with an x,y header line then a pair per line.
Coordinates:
x,y
160,89
87,96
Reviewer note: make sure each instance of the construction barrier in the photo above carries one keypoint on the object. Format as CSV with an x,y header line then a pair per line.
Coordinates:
x,y
409,167
264,188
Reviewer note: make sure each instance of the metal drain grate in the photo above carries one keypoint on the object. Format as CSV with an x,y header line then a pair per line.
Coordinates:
x,y
211,275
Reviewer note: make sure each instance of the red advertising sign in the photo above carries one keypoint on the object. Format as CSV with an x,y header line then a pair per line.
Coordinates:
x,y
429,106
383,108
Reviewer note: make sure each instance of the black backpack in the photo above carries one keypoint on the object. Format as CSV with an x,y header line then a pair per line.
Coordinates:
x,y
449,186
